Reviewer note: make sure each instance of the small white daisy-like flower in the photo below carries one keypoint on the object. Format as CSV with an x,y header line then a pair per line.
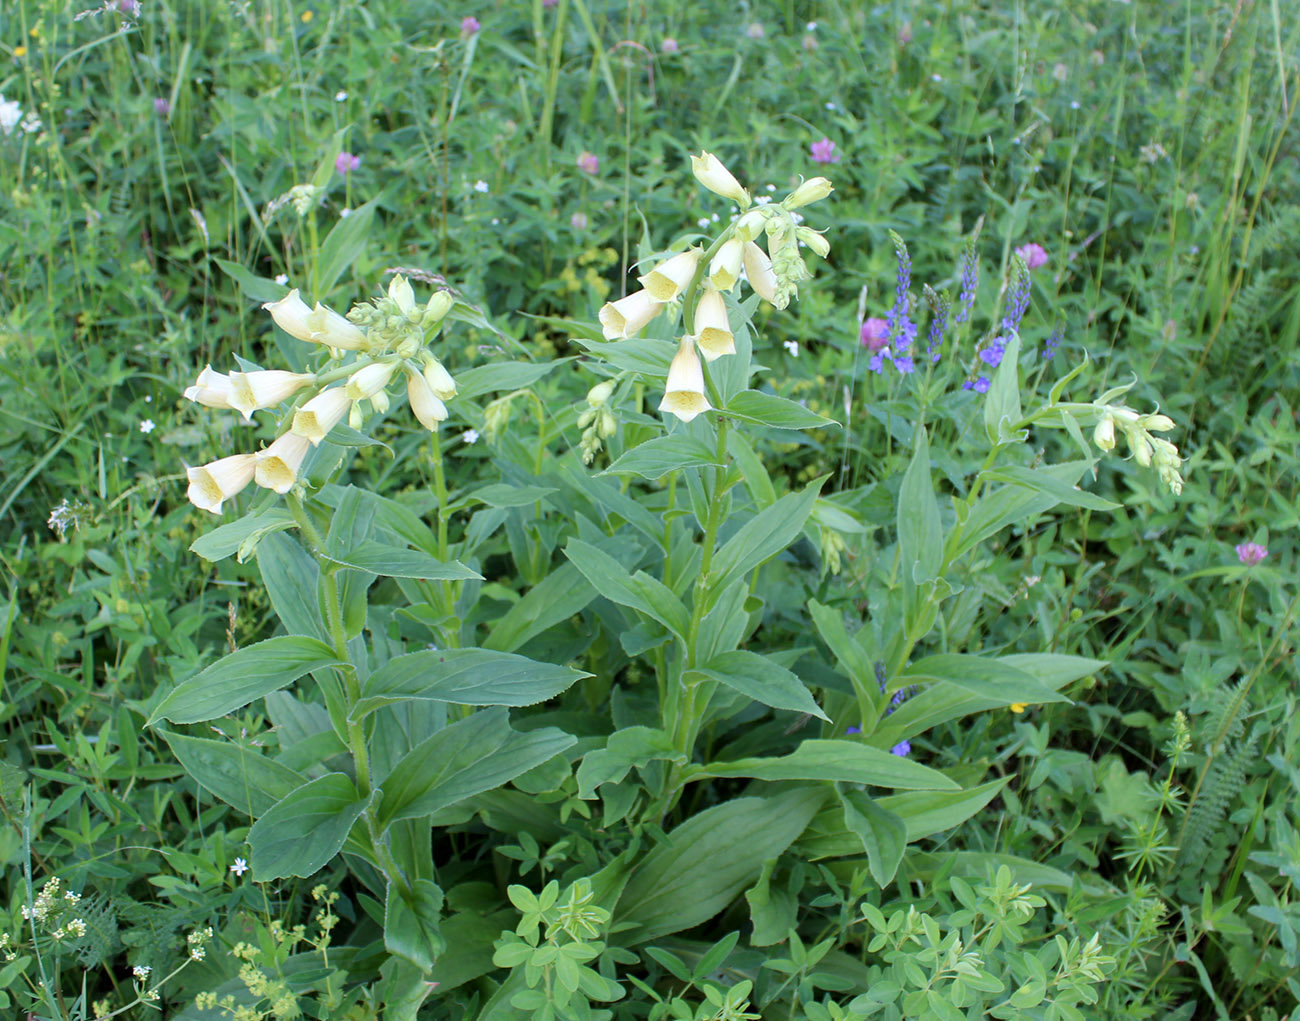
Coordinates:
x,y
936,77
830,105
703,221
793,347
770,187
1075,104
495,221
148,398
469,436
340,96
282,278
762,200
344,213
812,26
240,867
481,186
147,426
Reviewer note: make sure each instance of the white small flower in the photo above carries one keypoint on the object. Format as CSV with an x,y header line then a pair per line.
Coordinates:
x,y
11,112
812,26
770,187
240,867
763,200
830,105
141,971
469,436
703,221
147,426
340,96
793,347
148,398
495,221
344,213
936,77
481,186
1075,104
282,278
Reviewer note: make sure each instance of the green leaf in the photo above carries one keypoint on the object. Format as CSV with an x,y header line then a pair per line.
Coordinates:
x,y
848,761
557,597
766,534
241,777
920,534
1047,484
470,756
639,591
626,748
304,830
708,860
983,676
412,923
1002,403
502,494
1014,504
883,834
770,410
657,457
374,557
925,813
484,379
292,578
252,286
235,680
639,354
757,677
345,241
241,536
464,677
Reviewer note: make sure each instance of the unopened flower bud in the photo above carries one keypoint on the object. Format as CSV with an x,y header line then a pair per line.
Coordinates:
x,y
812,190
425,404
758,270
439,379
436,308
1141,448
1156,423
710,172
380,401
1104,434
402,295
601,393
813,240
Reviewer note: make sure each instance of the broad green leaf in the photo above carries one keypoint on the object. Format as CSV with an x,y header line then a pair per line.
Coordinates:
x,y
250,284
292,578
847,761
1013,504
484,379
983,676
632,746
849,655
470,756
346,240
235,680
709,860
929,812
762,680
920,533
303,831
1002,403
766,534
412,927
464,677
241,536
751,466
240,776
770,410
639,591
373,557
883,834
655,458
1047,484
557,597
639,354
503,494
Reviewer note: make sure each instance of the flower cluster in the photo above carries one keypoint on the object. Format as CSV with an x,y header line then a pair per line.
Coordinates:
x,y
1250,553
700,279
902,328
1145,448
381,338
597,422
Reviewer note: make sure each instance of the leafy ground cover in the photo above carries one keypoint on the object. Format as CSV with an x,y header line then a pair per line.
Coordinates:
x,y
488,533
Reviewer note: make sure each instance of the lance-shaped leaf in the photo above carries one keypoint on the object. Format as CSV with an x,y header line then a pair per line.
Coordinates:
x,y
762,680
395,562
465,677
848,761
471,756
303,831
763,536
639,591
412,923
980,675
657,457
235,680
883,834
239,776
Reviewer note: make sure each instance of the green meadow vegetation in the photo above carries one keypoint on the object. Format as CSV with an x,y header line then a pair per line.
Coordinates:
x,y
570,510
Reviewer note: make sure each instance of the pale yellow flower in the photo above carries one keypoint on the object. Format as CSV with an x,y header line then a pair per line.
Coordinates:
x,y
277,466
712,327
758,270
684,392
628,316
214,483
724,269
425,404
667,280
439,379
813,190
265,388
710,172
318,416
212,389
369,381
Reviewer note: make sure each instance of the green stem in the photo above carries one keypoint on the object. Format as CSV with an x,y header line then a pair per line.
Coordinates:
x,y
451,638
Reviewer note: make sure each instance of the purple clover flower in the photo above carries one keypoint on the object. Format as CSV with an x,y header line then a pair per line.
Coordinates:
x,y
589,163
874,334
669,45
469,26
1034,254
131,8
346,163
903,749
824,152
1250,553
162,106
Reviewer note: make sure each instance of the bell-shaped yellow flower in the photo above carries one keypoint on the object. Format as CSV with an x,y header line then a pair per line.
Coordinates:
x,y
628,316
369,381
320,325
758,270
214,483
265,388
710,172
667,280
318,416
712,327
277,466
212,389
684,392
724,270
425,404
